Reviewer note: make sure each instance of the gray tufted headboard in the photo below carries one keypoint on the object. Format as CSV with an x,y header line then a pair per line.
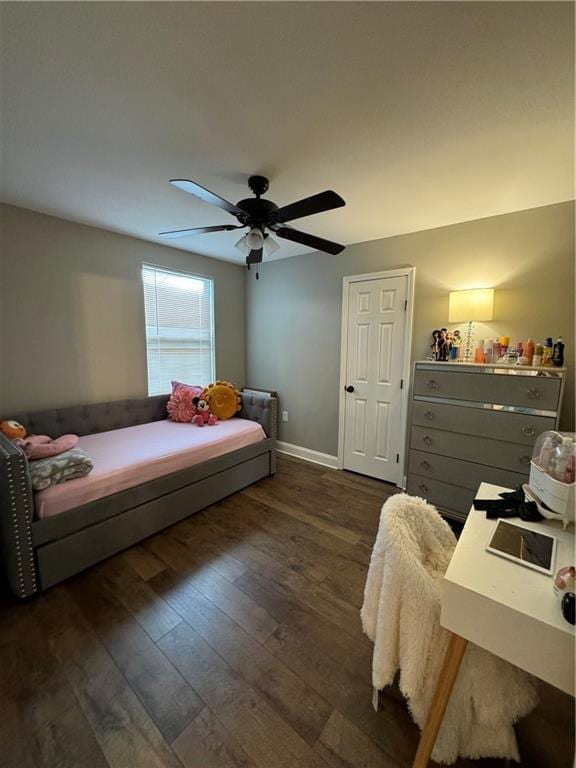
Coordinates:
x,y
97,417
103,417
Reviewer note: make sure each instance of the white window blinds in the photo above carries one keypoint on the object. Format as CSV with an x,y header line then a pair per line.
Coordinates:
x,y
179,328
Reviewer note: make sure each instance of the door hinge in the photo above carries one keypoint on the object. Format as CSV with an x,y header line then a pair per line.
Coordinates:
x,y
401,383
405,304
397,458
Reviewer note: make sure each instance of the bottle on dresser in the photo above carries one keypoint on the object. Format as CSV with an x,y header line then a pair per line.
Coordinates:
x,y
547,354
538,355
479,352
558,353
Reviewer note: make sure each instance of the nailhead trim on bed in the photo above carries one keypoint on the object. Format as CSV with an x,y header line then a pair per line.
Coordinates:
x,y
17,548
274,434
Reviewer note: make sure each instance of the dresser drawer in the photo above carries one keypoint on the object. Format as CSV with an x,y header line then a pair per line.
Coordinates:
x,y
462,473
498,425
481,450
442,495
538,392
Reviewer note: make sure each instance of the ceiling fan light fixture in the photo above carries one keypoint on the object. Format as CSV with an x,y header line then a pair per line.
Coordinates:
x,y
258,215
242,245
255,239
270,246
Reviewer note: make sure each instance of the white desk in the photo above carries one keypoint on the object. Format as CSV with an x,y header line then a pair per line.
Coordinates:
x,y
504,607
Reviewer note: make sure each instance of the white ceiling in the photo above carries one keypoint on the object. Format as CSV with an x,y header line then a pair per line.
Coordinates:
x,y
418,114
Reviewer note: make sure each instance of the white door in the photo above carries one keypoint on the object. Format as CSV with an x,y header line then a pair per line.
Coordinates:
x,y
375,356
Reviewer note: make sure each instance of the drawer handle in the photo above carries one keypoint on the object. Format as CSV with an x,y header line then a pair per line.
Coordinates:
x,y
432,384
425,465
424,488
427,439
534,393
528,431
524,459
428,415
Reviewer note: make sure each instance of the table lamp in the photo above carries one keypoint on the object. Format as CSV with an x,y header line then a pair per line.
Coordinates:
x,y
468,307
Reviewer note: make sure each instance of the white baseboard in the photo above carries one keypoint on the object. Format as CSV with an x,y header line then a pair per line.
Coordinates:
x,y
316,457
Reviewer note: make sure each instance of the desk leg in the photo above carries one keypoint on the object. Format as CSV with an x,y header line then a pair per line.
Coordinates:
x,y
446,680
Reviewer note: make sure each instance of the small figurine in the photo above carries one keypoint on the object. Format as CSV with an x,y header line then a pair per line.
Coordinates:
x,y
434,345
443,345
456,343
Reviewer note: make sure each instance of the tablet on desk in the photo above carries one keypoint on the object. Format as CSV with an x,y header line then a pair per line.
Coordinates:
x,y
530,548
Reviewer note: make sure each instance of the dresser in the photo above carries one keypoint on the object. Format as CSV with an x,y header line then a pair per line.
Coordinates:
x,y
473,423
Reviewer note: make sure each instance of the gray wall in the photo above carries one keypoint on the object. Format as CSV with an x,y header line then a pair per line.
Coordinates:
x,y
294,310
72,312
72,315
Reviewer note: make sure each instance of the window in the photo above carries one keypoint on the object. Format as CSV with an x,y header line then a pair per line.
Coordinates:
x,y
179,328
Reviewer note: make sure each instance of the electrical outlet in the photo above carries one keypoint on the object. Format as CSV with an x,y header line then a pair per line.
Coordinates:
x,y
284,415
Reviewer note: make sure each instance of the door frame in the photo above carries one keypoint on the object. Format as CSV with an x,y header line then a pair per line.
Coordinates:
x,y
410,273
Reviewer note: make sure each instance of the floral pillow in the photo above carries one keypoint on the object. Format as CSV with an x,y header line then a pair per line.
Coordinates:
x,y
181,405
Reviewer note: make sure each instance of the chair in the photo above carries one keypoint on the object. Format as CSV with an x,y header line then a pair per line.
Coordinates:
x,y
401,615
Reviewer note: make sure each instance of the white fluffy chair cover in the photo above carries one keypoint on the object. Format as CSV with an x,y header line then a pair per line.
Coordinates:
x,y
401,615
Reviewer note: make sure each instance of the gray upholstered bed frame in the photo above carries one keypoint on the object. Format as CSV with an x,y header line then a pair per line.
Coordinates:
x,y
36,554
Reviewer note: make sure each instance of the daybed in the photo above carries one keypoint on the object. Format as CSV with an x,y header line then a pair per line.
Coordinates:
x,y
38,552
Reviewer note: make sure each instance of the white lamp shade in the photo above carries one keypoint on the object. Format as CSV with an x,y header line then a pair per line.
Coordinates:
x,y
270,246
243,246
475,305
255,239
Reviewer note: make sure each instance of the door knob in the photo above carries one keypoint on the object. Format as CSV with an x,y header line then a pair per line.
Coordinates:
x,y
349,388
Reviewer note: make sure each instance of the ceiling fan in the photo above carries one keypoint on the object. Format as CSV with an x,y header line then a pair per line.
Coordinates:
x,y
260,215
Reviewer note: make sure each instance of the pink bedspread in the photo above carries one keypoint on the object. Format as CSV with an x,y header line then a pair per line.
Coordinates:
x,y
127,457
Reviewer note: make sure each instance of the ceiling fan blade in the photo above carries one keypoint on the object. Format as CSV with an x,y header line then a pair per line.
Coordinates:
x,y
323,201
318,243
254,257
204,194
175,233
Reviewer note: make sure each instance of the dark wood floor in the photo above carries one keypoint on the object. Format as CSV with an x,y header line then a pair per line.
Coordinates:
x,y
232,640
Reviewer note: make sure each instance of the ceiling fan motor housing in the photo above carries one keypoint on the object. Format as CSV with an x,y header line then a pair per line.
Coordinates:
x,y
257,212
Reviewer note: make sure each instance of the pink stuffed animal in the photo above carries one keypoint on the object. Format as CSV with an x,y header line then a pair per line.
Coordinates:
x,y
42,446
203,415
